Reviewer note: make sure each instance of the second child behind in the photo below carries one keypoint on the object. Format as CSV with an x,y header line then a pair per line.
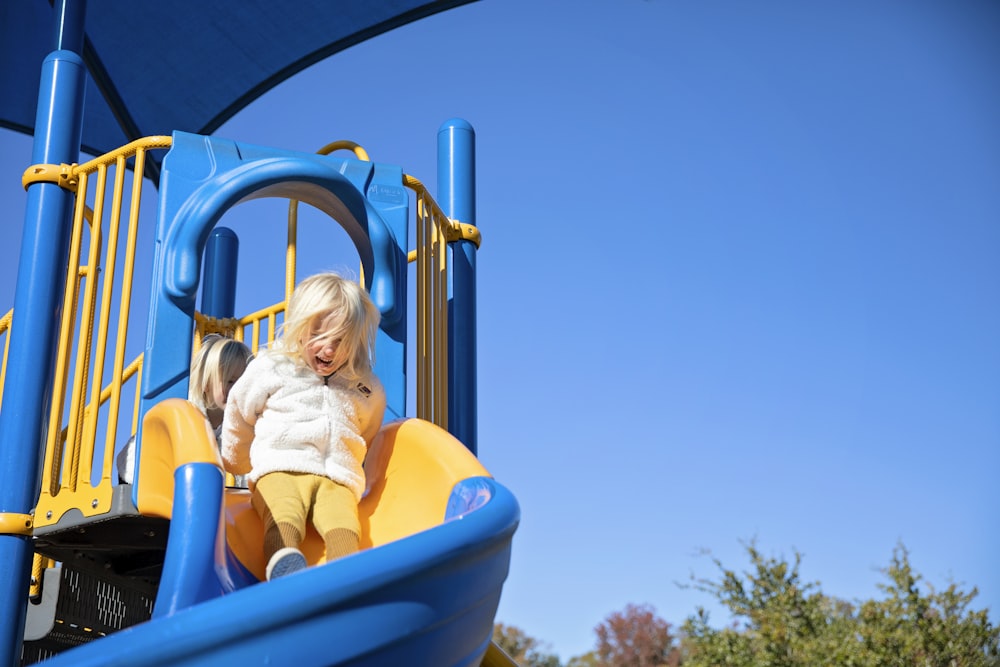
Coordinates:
x,y
216,366
214,370
301,418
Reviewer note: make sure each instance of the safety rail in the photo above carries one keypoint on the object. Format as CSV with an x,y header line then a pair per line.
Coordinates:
x,y
263,321
82,403
85,406
434,232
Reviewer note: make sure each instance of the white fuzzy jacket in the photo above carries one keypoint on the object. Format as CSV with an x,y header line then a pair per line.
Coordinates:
x,y
281,416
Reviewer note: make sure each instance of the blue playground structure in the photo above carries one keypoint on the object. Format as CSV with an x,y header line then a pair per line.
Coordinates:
x,y
168,570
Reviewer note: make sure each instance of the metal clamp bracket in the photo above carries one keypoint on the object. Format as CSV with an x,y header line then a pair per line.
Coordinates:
x,y
63,175
16,524
462,231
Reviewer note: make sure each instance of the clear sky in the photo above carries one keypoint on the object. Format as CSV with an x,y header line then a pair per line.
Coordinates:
x,y
739,280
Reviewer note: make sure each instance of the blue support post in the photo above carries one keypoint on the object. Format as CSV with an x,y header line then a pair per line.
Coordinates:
x,y
457,197
37,309
218,292
389,200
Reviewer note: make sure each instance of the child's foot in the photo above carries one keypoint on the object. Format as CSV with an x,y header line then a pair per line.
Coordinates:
x,y
285,561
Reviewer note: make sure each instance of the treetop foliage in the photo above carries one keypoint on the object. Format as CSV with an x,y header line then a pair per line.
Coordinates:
x,y
779,620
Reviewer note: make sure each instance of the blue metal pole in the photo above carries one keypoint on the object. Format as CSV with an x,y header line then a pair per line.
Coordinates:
x,y
218,293
457,198
37,309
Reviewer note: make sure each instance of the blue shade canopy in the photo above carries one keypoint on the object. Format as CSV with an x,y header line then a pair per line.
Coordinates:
x,y
156,66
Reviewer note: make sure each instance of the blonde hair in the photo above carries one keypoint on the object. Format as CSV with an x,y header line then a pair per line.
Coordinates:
x,y
354,321
218,358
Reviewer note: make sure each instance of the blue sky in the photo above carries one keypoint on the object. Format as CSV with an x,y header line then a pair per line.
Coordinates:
x,y
739,280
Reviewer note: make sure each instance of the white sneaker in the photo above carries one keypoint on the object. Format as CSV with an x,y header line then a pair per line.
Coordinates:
x,y
285,561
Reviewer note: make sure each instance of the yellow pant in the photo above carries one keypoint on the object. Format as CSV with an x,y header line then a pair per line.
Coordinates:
x,y
286,500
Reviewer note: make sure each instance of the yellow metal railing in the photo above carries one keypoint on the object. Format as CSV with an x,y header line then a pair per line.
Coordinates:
x,y
83,403
256,329
434,232
431,258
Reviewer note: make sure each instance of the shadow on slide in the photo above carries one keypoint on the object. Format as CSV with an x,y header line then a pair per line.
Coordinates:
x,y
424,589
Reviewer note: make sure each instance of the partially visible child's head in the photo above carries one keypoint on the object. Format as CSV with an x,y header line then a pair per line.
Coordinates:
x,y
218,364
330,325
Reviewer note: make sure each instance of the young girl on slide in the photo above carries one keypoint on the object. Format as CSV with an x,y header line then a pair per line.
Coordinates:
x,y
219,362
300,420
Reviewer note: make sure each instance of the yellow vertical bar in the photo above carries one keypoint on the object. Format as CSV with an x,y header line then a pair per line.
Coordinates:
x,y
54,446
290,259
423,312
433,298
77,414
38,565
125,303
89,435
441,327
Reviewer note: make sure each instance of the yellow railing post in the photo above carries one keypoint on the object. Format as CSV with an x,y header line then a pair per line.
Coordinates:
x,y
69,462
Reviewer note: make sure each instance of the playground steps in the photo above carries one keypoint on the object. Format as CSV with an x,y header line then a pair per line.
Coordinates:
x,y
107,572
121,542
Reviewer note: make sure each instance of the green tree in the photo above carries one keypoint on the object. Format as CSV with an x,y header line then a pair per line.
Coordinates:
x,y
585,660
781,621
938,628
526,651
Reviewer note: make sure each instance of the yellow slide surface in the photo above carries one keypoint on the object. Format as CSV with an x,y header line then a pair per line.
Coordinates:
x,y
411,469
